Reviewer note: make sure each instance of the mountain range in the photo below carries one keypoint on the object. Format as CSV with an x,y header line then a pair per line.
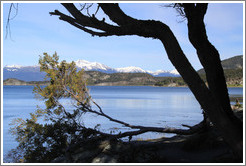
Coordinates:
x,y
96,75
32,73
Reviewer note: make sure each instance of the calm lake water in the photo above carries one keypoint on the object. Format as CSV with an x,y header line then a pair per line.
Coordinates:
x,y
138,105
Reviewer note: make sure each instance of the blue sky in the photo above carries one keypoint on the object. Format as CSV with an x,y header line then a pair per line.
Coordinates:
x,y
34,31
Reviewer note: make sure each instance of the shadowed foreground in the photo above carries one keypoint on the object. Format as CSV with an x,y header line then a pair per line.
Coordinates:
x,y
198,148
205,147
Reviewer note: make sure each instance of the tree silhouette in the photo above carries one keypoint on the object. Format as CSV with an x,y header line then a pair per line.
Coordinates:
x,y
213,99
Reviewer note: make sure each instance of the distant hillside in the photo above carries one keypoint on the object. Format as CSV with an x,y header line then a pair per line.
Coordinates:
x,y
13,81
102,79
235,62
234,77
99,78
233,69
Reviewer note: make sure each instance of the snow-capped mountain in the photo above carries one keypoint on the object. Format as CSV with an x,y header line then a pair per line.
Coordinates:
x,y
13,66
130,69
163,73
93,66
157,73
32,73
26,73
175,72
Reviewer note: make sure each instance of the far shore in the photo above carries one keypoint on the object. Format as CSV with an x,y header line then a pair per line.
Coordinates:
x,y
43,84
16,82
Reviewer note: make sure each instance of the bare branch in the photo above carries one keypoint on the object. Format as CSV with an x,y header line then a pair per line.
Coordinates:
x,y
87,9
179,9
188,126
97,10
128,26
92,22
67,113
8,29
82,7
116,14
141,129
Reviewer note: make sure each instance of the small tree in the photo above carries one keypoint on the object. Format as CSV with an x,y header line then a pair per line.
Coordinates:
x,y
39,141
63,128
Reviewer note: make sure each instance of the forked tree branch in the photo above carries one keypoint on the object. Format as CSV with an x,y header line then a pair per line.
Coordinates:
x,y
85,23
129,26
126,26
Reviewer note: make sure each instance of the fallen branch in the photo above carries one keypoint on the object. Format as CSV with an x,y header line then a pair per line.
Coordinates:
x,y
141,129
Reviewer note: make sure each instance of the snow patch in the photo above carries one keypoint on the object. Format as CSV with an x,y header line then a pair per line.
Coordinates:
x,y
86,65
14,66
130,69
95,66
175,72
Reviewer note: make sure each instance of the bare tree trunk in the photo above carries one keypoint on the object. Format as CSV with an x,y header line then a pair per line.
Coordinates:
x,y
209,56
210,59
231,131
214,100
